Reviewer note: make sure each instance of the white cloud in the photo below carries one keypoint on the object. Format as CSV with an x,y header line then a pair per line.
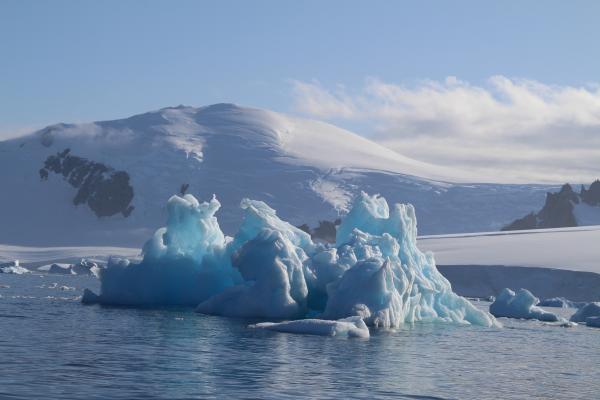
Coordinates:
x,y
508,129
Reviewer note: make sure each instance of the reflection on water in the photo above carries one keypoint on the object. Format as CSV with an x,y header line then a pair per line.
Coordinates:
x,y
53,347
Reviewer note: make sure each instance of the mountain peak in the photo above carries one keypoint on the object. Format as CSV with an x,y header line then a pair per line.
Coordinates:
x,y
115,176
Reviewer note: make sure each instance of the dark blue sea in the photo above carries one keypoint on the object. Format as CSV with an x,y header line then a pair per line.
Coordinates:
x,y
53,347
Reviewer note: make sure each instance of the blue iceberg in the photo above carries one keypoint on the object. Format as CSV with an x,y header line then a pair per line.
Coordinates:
x,y
273,270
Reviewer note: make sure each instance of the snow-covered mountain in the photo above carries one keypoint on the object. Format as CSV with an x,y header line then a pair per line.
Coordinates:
x,y
106,183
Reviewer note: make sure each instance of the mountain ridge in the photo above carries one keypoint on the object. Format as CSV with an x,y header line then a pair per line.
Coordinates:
x,y
307,170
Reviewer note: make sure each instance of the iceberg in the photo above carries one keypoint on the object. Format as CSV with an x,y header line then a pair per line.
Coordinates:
x,y
272,270
350,327
17,270
57,268
13,267
593,322
83,267
86,267
590,310
521,304
560,302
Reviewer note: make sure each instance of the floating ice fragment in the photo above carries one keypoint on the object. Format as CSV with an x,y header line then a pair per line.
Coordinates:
x,y
520,305
593,322
560,302
585,312
351,327
13,267
89,297
59,269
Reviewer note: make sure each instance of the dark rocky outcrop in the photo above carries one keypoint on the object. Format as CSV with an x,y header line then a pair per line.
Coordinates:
x,y
107,192
591,196
183,189
326,231
529,221
558,209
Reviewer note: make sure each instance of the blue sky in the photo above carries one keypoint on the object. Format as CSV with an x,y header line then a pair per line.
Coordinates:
x,y
81,60
76,61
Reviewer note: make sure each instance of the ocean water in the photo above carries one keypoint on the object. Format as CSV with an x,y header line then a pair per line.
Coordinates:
x,y
53,347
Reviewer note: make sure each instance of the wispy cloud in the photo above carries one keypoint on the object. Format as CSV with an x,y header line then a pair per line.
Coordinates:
x,y
507,129
10,132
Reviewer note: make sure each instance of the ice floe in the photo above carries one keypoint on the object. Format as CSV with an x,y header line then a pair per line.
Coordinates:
x,y
351,327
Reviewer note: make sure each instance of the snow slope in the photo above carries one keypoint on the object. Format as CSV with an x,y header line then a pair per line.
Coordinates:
x,y
561,262
574,249
305,169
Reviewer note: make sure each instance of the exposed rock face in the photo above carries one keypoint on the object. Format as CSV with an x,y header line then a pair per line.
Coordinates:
x,y
326,231
591,196
558,209
107,192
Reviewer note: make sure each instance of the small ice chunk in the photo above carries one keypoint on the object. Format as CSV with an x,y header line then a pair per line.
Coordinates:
x,y
14,270
585,312
57,268
89,297
85,267
351,327
13,267
593,322
520,305
560,302
568,324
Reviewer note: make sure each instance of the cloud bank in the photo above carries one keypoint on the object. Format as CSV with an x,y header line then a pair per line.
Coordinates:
x,y
506,130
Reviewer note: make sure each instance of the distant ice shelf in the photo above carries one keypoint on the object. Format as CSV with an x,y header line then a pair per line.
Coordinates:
x,y
562,262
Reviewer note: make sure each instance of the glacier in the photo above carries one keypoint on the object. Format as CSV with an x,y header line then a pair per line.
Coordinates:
x,y
271,269
521,304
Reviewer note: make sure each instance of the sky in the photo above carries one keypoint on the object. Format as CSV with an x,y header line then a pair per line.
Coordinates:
x,y
507,87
